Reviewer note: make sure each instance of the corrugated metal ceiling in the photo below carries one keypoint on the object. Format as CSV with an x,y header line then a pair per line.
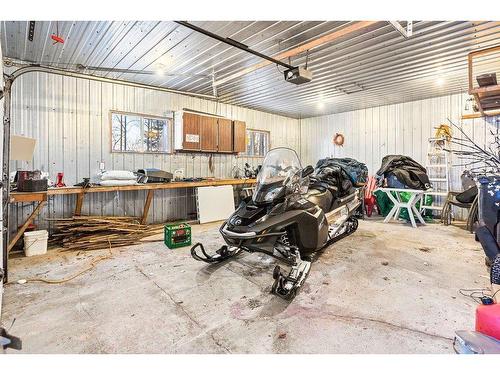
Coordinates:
x,y
367,68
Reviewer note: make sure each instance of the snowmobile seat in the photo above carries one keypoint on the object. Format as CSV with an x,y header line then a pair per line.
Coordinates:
x,y
342,200
321,197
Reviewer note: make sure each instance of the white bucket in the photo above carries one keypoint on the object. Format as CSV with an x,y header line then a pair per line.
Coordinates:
x,y
35,242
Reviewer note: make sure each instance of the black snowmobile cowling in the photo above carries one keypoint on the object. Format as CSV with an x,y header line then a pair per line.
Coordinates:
x,y
406,170
293,213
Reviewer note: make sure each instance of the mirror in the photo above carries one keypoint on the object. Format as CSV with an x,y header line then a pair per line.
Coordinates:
x,y
307,171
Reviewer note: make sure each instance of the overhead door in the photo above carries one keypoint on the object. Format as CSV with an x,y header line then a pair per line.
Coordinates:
x,y
1,163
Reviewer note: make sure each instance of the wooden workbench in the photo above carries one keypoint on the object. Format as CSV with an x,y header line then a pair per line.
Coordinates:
x,y
41,197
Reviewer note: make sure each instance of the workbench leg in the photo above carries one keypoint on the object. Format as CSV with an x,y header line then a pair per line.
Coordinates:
x,y
147,204
79,204
25,225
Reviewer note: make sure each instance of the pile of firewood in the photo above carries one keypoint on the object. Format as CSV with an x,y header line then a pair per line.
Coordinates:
x,y
98,232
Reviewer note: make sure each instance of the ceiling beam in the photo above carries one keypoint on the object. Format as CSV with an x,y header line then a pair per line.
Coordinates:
x,y
355,26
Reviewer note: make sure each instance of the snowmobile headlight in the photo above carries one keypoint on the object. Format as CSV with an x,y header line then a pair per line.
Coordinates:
x,y
294,185
235,220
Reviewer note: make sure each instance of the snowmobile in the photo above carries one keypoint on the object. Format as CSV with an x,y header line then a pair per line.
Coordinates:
x,y
287,219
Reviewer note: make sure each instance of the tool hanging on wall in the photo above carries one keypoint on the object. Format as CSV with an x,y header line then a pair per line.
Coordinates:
x,y
56,37
211,166
31,32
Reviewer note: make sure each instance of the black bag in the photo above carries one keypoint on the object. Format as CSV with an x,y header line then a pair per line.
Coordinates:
x,y
407,171
331,176
357,171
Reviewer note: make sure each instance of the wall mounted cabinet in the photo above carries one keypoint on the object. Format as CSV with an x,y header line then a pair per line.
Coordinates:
x,y
189,132
205,133
208,133
225,135
239,136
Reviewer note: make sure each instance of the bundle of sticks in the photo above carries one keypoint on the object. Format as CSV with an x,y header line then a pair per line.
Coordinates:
x,y
98,232
477,159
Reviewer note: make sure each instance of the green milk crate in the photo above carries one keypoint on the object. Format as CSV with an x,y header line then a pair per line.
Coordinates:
x,y
177,235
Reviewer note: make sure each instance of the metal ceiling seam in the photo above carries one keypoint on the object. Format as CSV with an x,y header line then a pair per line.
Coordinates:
x,y
202,40
357,72
115,44
254,46
402,69
96,44
267,50
214,45
147,65
132,48
341,56
165,34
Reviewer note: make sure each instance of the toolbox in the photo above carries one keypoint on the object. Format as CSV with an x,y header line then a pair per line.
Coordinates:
x,y
30,181
177,235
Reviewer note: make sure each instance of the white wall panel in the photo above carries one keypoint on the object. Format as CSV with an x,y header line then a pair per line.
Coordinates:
x,y
69,117
404,128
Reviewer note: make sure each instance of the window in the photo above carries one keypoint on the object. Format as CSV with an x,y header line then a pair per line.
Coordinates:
x,y
139,133
257,142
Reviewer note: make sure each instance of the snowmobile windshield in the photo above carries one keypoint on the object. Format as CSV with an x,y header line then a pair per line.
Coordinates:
x,y
280,172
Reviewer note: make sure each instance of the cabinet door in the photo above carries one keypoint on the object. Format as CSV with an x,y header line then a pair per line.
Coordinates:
x,y
239,133
208,133
225,143
191,131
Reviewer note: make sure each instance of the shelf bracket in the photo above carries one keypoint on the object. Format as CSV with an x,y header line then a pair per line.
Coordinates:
x,y
406,33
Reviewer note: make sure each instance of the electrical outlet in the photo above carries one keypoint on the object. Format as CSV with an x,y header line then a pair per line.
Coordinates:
x,y
101,166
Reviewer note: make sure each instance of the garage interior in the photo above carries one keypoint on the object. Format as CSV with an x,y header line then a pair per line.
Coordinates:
x,y
127,143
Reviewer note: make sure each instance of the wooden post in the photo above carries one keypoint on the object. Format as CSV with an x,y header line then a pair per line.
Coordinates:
x,y
79,204
25,225
147,204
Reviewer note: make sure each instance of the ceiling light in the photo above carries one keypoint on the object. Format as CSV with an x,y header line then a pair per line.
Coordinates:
x,y
160,69
440,81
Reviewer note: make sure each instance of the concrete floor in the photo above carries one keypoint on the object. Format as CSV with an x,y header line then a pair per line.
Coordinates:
x,y
386,289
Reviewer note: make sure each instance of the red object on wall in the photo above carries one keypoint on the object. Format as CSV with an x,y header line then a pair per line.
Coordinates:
x,y
488,320
57,39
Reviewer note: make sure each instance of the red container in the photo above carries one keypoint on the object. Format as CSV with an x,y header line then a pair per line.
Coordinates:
x,y
369,205
488,320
